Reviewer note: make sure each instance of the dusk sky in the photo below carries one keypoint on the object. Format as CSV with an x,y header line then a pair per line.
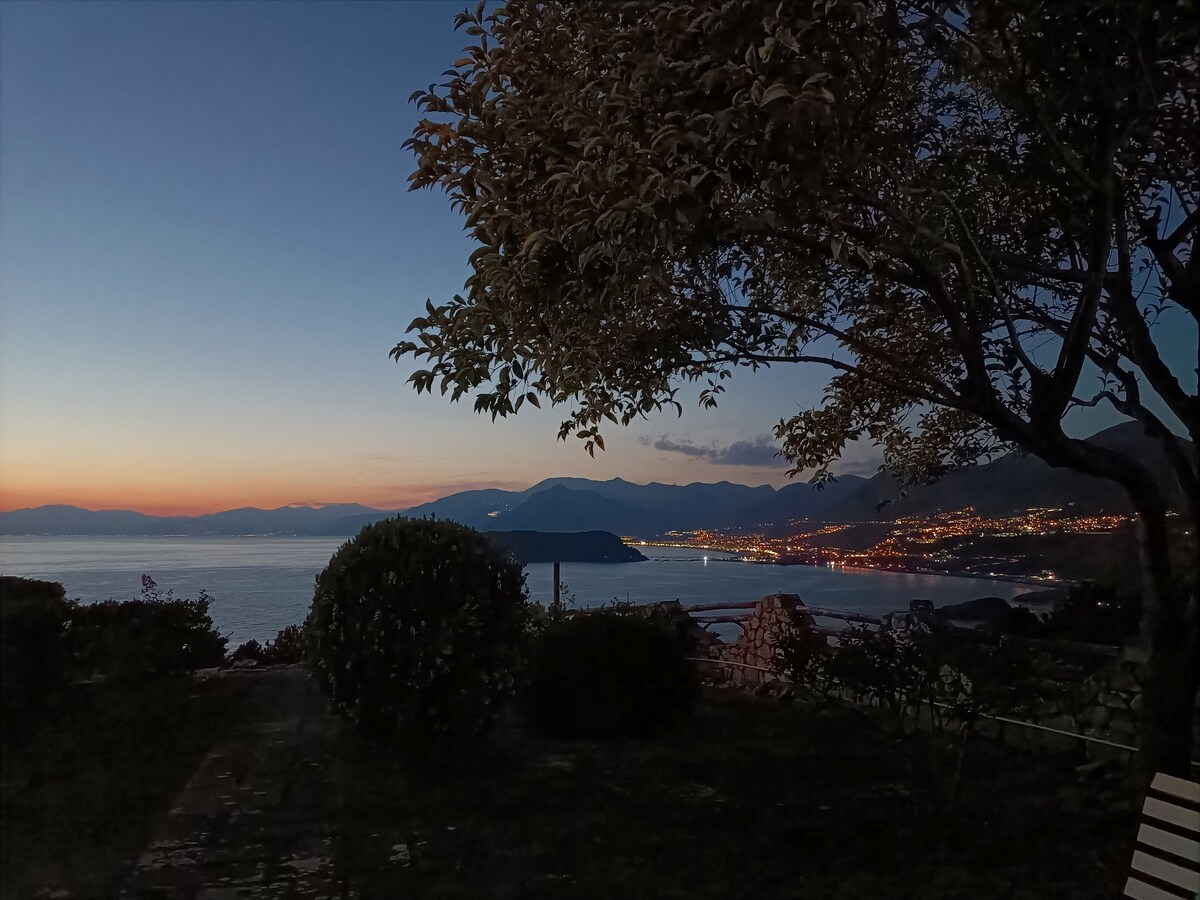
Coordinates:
x,y
207,250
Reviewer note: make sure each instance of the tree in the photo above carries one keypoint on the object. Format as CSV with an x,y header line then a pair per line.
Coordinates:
x,y
974,214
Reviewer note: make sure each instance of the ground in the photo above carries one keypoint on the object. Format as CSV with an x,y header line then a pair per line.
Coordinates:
x,y
243,785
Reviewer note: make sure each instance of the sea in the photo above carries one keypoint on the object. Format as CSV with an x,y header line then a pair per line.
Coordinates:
x,y
259,585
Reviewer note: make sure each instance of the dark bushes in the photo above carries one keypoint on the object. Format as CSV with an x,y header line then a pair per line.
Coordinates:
x,y
287,648
416,628
47,641
1094,614
133,638
605,673
250,650
927,691
33,657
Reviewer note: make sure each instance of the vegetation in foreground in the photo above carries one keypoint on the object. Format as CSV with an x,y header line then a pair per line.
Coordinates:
x,y
974,219
417,629
80,790
743,798
750,798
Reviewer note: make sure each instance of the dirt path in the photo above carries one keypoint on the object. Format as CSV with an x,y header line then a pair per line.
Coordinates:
x,y
251,820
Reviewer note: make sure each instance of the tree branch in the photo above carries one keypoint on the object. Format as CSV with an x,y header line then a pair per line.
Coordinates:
x,y
1142,350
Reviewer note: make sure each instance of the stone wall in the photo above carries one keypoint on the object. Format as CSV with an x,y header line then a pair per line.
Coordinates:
x,y
1107,705
771,618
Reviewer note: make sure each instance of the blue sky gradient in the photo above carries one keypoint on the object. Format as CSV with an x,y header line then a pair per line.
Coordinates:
x,y
207,249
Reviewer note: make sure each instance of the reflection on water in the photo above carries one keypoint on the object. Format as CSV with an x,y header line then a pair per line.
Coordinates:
x,y
261,584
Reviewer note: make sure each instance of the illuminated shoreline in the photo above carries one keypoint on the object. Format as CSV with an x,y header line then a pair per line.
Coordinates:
x,y
856,567
910,546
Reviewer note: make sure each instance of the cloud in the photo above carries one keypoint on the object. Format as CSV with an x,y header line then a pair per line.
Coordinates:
x,y
665,443
759,453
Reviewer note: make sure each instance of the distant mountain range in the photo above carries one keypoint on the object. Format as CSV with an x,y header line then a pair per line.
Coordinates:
x,y
1007,485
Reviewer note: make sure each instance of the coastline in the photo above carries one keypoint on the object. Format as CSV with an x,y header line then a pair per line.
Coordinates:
x,y
1030,580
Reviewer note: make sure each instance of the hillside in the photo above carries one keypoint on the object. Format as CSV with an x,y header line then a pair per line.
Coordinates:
x,y
335,519
1008,485
587,546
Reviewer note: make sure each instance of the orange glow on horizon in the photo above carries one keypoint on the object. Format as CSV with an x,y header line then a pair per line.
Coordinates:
x,y
189,484
197,500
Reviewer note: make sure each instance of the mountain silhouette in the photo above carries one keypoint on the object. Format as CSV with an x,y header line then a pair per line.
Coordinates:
x,y
1008,485
1011,484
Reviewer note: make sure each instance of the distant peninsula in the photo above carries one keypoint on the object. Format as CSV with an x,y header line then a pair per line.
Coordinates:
x,y
578,546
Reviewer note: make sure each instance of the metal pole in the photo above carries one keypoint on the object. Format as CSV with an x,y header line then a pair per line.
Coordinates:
x,y
557,585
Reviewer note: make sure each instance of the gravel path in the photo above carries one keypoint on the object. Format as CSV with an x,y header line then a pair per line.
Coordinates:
x,y
251,820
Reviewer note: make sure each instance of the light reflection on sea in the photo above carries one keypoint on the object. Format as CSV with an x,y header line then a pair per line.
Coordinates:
x,y
261,584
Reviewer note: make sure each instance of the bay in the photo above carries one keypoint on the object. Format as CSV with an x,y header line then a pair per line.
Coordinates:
x,y
261,584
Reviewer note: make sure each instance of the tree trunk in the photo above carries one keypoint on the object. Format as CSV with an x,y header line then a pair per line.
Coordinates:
x,y
1168,649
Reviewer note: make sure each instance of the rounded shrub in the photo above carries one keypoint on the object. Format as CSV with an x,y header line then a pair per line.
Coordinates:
x,y
416,629
604,674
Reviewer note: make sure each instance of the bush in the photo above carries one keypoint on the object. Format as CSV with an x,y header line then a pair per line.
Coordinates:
x,y
250,650
155,635
1095,614
605,673
33,658
416,629
928,691
289,646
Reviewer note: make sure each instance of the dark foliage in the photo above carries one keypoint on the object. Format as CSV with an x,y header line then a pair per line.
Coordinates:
x,y
154,635
16,592
928,690
81,789
1094,614
289,646
416,629
48,640
605,673
33,615
977,217
250,650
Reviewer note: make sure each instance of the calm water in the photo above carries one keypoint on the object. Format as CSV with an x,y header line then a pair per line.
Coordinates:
x,y
261,584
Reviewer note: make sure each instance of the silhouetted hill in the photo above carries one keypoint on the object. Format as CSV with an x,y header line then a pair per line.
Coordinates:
x,y
586,546
290,520
687,507
74,520
561,509
1011,484
470,507
805,501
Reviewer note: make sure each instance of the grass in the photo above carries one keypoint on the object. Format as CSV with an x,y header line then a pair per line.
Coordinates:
x,y
81,787
753,798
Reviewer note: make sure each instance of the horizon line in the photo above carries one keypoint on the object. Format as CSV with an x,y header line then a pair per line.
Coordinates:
x,y
4,509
